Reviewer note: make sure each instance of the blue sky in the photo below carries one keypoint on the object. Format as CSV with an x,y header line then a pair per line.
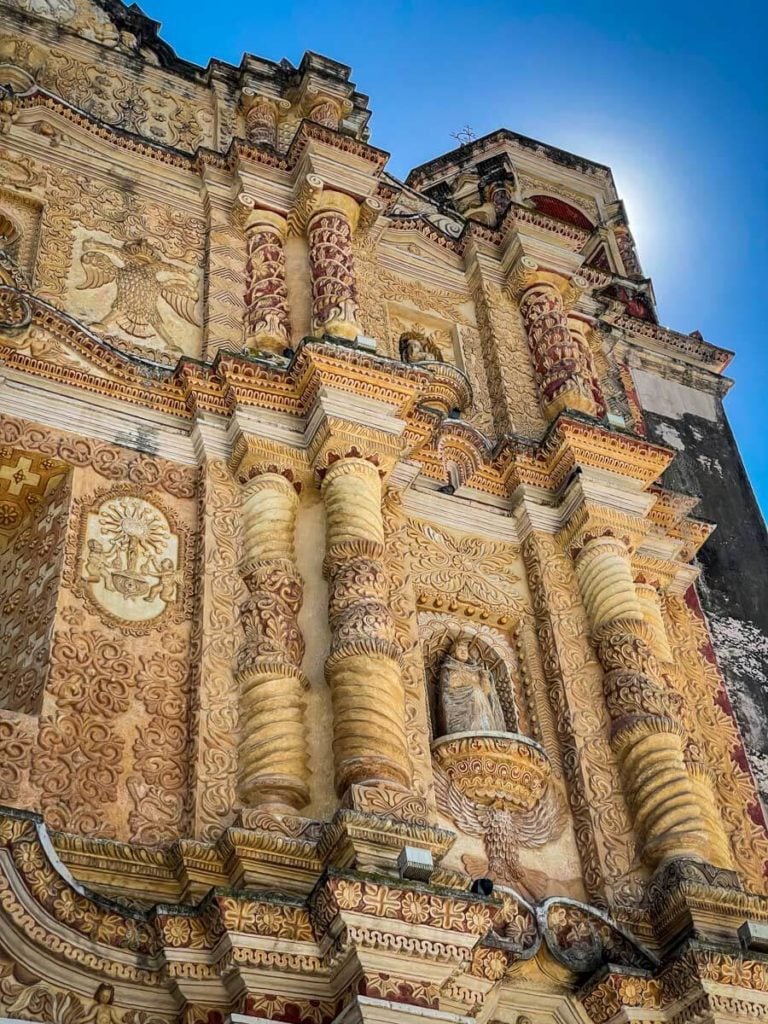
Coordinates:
x,y
673,96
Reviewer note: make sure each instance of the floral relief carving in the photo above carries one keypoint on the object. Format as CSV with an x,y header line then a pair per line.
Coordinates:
x,y
147,108
117,464
216,637
696,678
465,569
601,821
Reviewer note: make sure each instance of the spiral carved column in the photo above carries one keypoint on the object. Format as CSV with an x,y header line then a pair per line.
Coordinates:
x,y
364,668
267,322
272,757
563,369
646,730
334,290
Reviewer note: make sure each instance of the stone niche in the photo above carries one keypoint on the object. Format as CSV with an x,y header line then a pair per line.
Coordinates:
x,y
493,784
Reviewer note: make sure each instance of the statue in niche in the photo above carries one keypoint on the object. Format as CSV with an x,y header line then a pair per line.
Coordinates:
x,y
415,348
467,698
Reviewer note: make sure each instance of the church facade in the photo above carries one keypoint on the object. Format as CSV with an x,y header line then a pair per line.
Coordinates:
x,y
377,640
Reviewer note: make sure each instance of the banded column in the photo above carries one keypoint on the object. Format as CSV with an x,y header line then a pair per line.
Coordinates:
x,y
273,768
647,734
580,330
564,373
650,603
267,322
334,289
364,669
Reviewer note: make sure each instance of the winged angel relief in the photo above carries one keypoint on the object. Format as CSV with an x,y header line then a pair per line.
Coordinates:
x,y
504,832
143,280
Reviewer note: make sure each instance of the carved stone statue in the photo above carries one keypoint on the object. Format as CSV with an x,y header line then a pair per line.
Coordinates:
x,y
467,697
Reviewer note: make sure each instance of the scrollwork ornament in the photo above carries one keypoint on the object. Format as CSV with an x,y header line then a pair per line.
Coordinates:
x,y
15,311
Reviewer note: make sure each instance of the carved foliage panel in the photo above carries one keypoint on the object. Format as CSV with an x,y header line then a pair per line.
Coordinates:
x,y
146,102
508,365
108,755
603,830
709,721
30,572
216,638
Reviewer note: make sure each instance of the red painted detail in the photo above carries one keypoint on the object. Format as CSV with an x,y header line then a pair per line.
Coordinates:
x,y
554,207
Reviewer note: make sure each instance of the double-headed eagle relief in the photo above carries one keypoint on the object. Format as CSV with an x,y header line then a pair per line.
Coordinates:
x,y
144,281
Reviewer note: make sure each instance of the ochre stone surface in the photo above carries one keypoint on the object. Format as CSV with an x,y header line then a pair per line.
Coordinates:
x,y
352,658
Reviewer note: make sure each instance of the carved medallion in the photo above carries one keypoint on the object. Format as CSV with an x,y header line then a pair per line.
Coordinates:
x,y
130,560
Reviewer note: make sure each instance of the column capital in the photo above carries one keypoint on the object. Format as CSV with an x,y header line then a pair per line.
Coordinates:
x,y
255,457
252,217
336,439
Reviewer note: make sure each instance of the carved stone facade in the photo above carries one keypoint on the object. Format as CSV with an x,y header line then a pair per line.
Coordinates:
x,y
351,653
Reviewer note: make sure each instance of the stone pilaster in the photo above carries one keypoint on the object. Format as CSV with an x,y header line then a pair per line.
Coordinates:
x,y
364,668
647,733
334,289
267,321
273,768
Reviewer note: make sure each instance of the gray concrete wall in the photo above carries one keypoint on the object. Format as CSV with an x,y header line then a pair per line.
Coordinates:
x,y
734,583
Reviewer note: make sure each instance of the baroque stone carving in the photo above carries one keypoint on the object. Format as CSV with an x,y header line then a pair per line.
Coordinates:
x,y
334,289
497,788
467,699
140,287
133,558
272,758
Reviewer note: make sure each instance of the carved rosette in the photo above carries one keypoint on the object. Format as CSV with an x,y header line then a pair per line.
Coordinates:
x,y
364,665
646,716
334,290
267,321
272,758
561,358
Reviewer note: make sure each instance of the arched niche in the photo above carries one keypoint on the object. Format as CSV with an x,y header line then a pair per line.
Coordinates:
x,y
486,648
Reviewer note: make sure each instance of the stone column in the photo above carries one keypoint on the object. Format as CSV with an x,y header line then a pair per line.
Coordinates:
x,y
273,769
334,290
364,668
325,111
267,322
647,733
261,119
564,374
650,603
580,330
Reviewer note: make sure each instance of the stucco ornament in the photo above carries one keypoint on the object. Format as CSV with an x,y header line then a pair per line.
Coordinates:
x,y
130,561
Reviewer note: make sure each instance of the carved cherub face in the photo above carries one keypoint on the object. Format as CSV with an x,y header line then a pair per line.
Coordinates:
x,y
95,545
104,995
166,564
